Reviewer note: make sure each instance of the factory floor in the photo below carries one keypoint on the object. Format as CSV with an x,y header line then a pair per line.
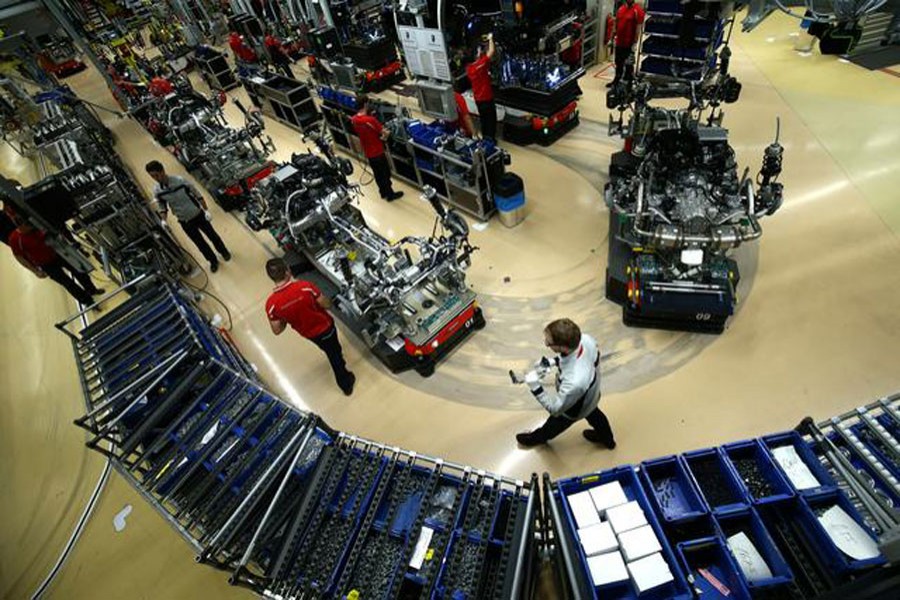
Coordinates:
x,y
816,334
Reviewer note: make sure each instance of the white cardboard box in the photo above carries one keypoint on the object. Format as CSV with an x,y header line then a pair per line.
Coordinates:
x,y
607,568
626,517
638,543
583,509
598,539
649,572
608,495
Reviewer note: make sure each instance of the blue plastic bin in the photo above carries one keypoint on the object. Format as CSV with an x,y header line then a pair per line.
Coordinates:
x,y
748,522
719,485
627,478
792,438
835,558
752,452
712,554
671,490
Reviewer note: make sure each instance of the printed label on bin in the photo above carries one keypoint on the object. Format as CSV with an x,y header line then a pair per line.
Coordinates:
x,y
418,556
748,558
795,468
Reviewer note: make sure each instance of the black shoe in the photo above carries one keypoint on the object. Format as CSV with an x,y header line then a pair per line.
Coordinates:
x,y
611,84
349,390
528,439
394,196
592,436
226,256
97,292
214,267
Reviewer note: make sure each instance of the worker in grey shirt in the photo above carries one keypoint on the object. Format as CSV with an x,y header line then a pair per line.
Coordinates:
x,y
577,392
178,195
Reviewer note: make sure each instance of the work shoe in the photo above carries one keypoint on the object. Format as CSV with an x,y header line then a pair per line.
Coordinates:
x,y
394,196
226,256
611,84
349,390
213,267
592,436
528,439
97,291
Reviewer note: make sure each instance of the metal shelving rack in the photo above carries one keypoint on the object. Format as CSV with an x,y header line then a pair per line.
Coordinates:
x,y
286,100
215,69
463,185
269,493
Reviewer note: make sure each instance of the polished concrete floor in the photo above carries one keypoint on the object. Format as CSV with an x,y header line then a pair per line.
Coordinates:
x,y
816,333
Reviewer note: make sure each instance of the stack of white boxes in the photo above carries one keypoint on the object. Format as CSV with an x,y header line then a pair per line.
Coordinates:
x,y
617,540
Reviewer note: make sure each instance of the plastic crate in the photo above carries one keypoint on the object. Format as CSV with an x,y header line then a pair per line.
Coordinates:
x,y
751,455
749,522
835,558
628,479
712,554
792,438
704,466
671,490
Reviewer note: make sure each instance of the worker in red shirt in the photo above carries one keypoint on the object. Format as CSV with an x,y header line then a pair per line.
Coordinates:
x,y
463,122
277,54
301,305
241,50
372,136
629,16
30,248
479,74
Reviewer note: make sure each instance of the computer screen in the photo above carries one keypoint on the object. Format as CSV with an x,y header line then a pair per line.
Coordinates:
x,y
437,101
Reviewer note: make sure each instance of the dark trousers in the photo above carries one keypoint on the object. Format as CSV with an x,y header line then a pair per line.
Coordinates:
x,y
555,425
77,283
193,229
331,346
622,54
382,172
283,64
487,114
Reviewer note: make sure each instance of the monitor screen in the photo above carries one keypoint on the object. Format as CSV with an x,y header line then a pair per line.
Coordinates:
x,y
438,102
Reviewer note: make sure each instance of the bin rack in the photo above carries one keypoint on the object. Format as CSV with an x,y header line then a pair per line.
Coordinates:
x,y
292,508
465,185
214,69
536,116
177,411
286,100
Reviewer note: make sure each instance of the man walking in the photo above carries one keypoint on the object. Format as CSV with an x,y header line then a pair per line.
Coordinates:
x,y
629,16
301,305
175,193
30,248
577,391
372,136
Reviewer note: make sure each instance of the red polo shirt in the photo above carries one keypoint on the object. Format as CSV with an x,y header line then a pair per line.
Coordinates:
x,y
462,111
369,131
479,74
32,247
627,20
295,303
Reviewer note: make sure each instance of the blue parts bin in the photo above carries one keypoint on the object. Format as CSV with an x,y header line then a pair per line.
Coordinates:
x,y
756,470
810,461
718,483
672,490
709,558
813,507
628,479
749,523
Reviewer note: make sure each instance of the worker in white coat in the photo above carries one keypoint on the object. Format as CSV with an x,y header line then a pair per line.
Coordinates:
x,y
577,392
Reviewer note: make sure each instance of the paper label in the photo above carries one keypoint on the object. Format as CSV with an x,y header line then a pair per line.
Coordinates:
x,y
794,467
418,556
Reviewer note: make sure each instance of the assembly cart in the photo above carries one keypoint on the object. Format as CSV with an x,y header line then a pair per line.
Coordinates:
x,y
286,100
536,116
214,69
463,185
